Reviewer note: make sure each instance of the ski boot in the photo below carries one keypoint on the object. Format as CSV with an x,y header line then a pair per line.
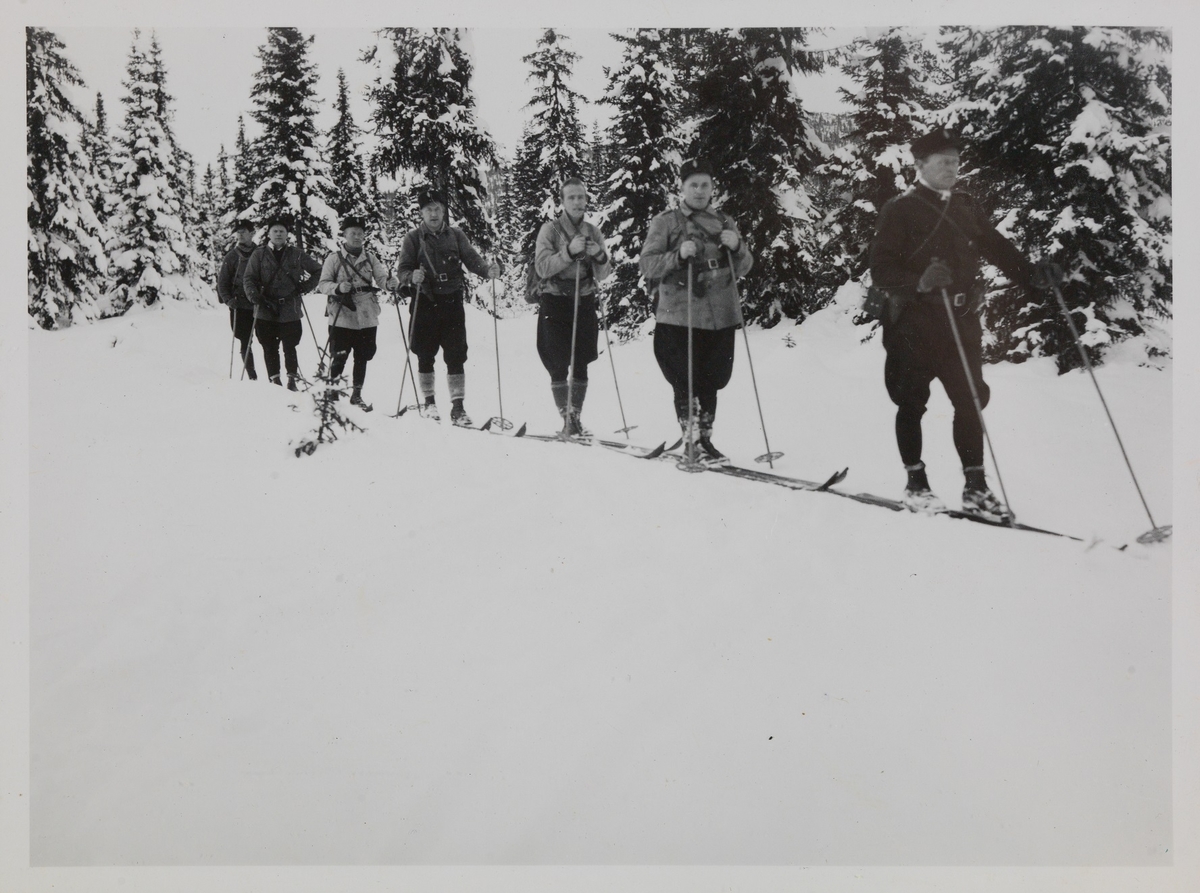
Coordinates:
x,y
983,502
923,502
707,451
429,410
291,385
458,415
918,497
275,380
357,400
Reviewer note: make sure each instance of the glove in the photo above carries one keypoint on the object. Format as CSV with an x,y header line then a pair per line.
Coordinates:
x,y
1046,275
347,301
937,275
271,305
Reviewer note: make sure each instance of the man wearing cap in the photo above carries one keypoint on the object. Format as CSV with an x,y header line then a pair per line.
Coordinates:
x,y
432,258
277,276
353,307
695,236
570,251
927,247
231,291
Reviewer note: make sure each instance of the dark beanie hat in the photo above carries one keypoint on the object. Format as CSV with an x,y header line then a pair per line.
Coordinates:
x,y
242,223
934,141
431,195
284,220
351,220
695,166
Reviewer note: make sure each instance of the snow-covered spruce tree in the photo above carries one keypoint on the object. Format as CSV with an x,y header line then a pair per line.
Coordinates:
x,y
749,121
424,117
347,169
645,152
98,142
1068,133
66,242
212,236
245,177
890,103
293,174
551,147
150,252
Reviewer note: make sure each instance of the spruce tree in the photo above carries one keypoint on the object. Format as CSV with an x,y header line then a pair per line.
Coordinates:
x,y
749,122
224,187
211,234
645,155
150,250
424,117
1068,140
293,175
347,170
551,147
890,102
66,257
245,176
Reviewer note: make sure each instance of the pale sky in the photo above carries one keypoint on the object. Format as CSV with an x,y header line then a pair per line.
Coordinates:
x,y
210,72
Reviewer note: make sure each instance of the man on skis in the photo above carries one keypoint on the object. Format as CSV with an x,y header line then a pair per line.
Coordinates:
x,y
569,261
927,249
696,242
231,291
353,306
276,279
432,258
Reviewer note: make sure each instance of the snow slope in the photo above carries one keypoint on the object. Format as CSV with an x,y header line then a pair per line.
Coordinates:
x,y
423,645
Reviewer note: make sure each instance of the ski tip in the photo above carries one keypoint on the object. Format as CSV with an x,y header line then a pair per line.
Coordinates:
x,y
657,451
486,426
676,445
520,431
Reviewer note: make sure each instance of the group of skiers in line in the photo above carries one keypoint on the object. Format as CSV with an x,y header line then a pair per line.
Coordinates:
x,y
926,289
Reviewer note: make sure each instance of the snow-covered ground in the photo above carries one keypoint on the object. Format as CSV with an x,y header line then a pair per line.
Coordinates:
x,y
423,645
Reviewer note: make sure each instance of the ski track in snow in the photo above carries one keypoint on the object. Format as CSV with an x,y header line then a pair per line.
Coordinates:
x,y
426,645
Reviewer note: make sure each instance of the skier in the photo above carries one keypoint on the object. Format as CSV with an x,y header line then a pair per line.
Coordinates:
x,y
569,261
276,278
353,308
231,291
927,244
694,235
432,257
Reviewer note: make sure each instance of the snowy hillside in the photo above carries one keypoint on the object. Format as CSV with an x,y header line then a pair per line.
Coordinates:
x,y
423,645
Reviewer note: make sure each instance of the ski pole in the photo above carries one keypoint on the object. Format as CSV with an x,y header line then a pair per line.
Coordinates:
x,y
690,462
328,339
1156,533
504,423
407,359
571,367
232,340
768,457
412,321
604,322
962,354
249,343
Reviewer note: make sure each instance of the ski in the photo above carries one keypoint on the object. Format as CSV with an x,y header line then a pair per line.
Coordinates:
x,y
637,452
897,506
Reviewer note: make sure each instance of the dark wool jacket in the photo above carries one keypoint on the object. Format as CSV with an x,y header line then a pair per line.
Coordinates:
x,y
442,255
229,279
275,288
913,230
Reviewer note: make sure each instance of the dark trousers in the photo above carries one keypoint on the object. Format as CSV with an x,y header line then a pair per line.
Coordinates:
x,y
920,347
439,322
342,341
242,324
271,335
555,323
712,363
